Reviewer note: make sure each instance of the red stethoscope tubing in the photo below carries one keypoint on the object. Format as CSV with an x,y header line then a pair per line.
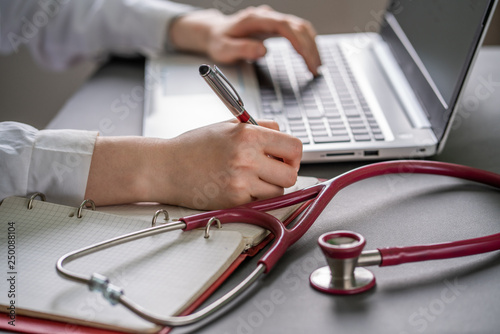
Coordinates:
x,y
254,213
397,255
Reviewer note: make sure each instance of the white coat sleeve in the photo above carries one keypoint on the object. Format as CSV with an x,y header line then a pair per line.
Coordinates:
x,y
60,33
54,162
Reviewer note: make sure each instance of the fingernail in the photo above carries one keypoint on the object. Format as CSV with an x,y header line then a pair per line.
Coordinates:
x,y
319,70
261,51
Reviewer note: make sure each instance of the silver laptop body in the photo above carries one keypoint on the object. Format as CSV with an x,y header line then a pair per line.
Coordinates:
x,y
381,95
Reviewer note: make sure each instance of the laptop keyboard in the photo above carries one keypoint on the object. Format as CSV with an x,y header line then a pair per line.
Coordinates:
x,y
315,110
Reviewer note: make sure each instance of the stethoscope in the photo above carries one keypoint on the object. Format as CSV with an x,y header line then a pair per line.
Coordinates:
x,y
343,249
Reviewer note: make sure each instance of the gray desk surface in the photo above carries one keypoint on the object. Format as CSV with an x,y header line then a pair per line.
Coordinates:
x,y
447,296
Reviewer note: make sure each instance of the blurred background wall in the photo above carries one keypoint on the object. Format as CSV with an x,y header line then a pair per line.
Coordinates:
x,y
33,95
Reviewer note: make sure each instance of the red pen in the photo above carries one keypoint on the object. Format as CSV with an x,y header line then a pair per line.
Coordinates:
x,y
226,92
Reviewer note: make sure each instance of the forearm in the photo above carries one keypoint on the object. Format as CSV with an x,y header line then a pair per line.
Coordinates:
x,y
124,170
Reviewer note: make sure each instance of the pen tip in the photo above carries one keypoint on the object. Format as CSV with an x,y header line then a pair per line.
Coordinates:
x,y
204,69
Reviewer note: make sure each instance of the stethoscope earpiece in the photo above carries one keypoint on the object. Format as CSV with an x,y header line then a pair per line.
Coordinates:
x,y
342,250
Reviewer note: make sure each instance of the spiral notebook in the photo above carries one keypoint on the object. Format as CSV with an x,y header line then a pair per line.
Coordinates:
x,y
165,273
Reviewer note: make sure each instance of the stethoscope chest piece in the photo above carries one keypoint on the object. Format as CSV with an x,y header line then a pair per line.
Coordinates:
x,y
342,250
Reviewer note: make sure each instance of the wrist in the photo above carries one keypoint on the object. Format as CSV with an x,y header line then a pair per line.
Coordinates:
x,y
122,170
158,182
192,32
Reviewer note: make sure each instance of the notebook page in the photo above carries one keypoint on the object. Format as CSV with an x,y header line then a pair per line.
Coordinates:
x,y
163,273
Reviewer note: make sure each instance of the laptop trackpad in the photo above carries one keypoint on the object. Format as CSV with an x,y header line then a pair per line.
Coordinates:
x,y
182,102
178,114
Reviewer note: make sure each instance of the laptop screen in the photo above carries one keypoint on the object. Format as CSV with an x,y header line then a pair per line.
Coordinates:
x,y
434,42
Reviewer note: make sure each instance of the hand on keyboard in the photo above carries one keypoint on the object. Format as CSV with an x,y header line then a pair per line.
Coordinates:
x,y
228,38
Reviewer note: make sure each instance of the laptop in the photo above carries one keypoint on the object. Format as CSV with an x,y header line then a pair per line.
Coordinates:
x,y
380,95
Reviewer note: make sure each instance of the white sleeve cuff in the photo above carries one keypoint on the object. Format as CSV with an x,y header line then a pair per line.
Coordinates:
x,y
60,164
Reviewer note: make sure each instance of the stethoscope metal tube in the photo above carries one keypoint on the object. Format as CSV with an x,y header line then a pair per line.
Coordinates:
x,y
370,258
351,277
201,314
65,259
115,295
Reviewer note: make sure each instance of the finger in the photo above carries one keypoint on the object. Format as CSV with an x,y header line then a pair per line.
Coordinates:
x,y
299,32
279,145
249,187
312,57
277,173
301,35
262,189
284,146
265,7
232,49
270,124
266,123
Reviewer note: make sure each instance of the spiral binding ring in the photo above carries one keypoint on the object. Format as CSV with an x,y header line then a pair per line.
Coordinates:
x,y
80,208
157,213
210,222
32,198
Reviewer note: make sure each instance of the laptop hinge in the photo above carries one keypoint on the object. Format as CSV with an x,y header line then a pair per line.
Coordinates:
x,y
400,85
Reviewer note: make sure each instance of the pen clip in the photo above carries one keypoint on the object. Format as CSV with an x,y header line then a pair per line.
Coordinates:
x,y
218,72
